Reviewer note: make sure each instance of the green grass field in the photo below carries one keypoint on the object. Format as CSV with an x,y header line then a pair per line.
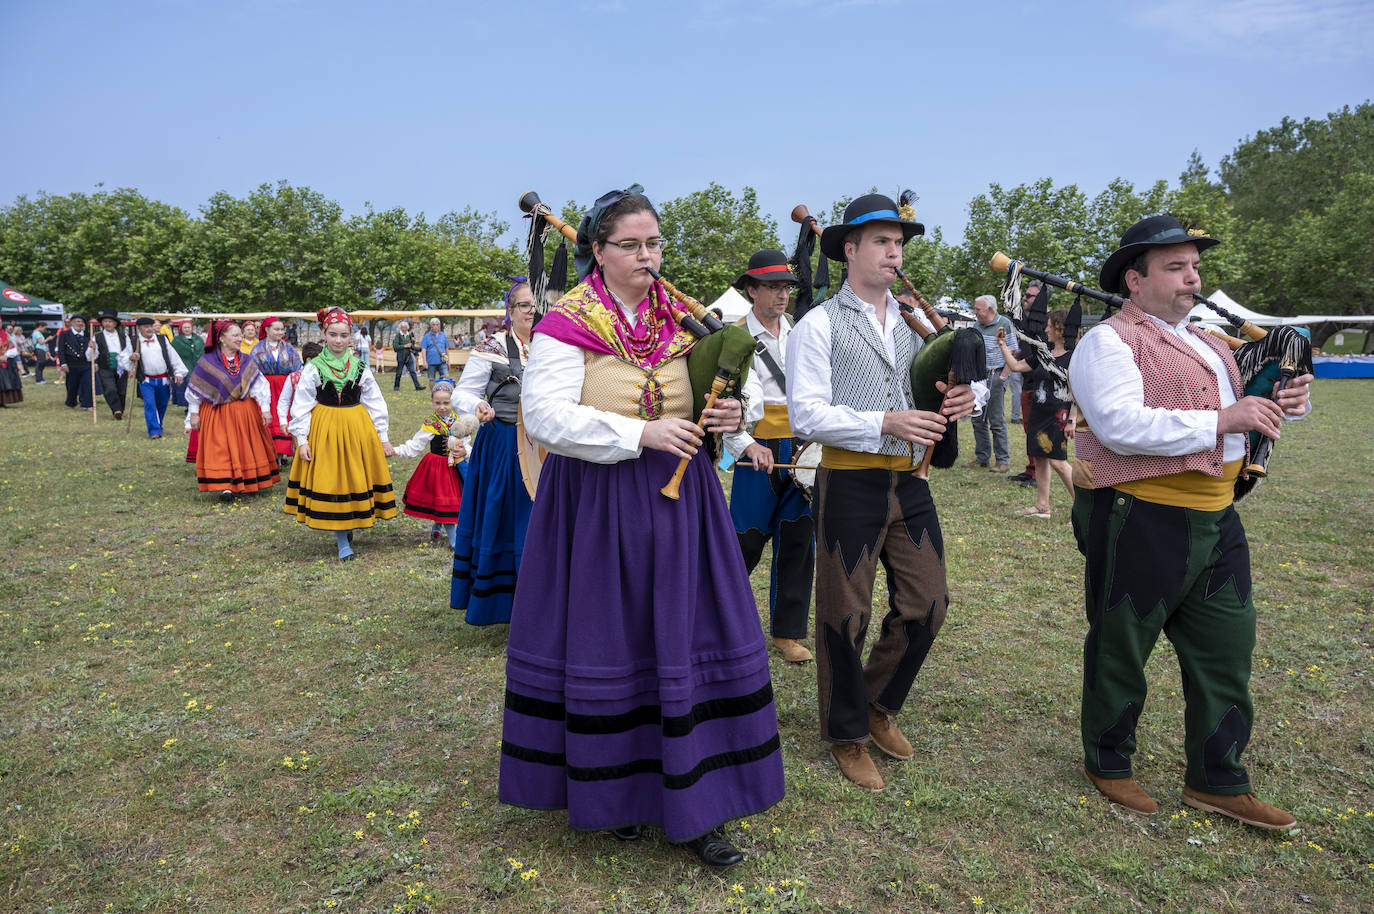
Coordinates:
x,y
204,711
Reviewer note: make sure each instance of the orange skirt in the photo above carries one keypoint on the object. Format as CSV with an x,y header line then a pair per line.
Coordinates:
x,y
234,450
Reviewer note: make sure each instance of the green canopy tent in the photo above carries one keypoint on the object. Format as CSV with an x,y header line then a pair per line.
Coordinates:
x,y
27,310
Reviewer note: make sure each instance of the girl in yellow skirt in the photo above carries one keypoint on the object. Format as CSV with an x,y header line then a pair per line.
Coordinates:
x,y
339,479
228,402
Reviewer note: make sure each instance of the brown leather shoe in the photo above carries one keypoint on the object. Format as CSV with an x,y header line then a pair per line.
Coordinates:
x,y
887,737
1244,807
1124,792
999,468
856,765
792,650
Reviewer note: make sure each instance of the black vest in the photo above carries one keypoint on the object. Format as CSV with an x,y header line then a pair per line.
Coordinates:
x,y
503,387
329,395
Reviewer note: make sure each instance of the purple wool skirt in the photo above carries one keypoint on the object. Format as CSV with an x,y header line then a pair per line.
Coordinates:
x,y
637,688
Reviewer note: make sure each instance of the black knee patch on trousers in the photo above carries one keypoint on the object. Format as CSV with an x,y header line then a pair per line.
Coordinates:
x,y
1221,751
848,716
919,637
1110,758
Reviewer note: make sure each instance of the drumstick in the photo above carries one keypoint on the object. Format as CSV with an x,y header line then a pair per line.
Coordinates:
x,y
777,466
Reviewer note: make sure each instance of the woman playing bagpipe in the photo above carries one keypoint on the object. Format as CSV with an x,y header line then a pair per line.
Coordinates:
x,y
637,675
339,480
490,536
1049,421
277,360
227,402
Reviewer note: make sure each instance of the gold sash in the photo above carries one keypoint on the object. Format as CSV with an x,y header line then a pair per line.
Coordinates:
x,y
1190,489
774,423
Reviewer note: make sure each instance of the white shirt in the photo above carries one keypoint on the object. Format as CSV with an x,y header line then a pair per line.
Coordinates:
x,y
550,391
283,407
303,402
760,387
111,345
809,409
1110,393
150,354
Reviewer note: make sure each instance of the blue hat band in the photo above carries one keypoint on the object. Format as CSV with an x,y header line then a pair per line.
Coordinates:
x,y
877,214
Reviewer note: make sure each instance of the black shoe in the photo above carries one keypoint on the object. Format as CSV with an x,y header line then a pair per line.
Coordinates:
x,y
1019,477
715,851
118,414
1027,483
226,496
348,558
628,832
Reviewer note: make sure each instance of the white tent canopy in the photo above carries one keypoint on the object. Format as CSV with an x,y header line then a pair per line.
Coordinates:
x,y
732,305
1210,317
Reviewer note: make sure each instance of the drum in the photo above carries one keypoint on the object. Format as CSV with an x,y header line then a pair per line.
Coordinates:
x,y
803,473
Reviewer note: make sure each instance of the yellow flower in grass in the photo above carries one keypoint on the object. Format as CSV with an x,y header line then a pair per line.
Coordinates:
x,y
529,874
358,834
977,899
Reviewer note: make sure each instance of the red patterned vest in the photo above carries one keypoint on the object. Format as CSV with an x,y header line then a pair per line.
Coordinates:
x,y
1175,377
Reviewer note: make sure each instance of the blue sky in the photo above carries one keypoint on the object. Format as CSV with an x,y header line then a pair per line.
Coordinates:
x,y
434,106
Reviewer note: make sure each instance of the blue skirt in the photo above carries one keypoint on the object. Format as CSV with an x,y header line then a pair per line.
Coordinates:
x,y
637,686
492,521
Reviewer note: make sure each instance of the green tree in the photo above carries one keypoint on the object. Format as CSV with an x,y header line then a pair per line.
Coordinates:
x,y
1048,228
710,236
274,250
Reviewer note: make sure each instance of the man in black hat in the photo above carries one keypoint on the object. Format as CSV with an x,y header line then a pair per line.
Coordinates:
x,y
766,503
155,364
849,389
106,344
1165,437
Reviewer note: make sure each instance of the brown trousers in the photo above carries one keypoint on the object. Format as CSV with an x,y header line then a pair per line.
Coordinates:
x,y
864,517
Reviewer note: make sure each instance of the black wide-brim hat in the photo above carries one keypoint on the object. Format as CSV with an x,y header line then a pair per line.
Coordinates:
x,y
1150,232
866,209
108,315
766,265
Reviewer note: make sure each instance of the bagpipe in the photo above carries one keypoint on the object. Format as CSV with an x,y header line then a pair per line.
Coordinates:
x,y
1265,358
1029,323
718,363
946,355
811,288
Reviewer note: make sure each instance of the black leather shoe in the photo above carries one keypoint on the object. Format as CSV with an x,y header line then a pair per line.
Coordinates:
x,y
715,851
628,832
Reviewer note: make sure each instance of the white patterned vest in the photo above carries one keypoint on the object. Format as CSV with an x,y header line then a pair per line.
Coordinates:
x,y
861,376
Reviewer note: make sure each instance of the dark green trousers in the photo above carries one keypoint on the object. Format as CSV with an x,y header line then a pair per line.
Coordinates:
x,y
1153,568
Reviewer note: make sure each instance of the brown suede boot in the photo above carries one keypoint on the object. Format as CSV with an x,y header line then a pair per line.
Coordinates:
x,y
856,765
1244,807
887,737
792,650
1124,792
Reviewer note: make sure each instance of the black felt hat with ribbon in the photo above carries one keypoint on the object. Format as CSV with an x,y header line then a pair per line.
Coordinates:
x,y
866,209
766,265
1150,232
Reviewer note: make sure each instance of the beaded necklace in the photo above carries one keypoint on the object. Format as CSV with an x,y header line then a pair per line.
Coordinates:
x,y
231,365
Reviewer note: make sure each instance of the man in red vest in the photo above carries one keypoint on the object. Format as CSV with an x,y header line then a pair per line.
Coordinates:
x,y
1165,438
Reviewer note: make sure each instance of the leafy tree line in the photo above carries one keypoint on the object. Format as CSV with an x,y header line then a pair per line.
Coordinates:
x,y
1291,204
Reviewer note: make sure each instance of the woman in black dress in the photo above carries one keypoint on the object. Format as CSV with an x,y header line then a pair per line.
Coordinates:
x,y
1050,422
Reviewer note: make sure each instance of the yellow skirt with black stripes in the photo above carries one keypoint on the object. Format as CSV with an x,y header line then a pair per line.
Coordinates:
x,y
346,484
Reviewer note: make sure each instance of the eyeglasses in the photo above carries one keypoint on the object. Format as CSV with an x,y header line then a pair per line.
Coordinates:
x,y
631,246
523,306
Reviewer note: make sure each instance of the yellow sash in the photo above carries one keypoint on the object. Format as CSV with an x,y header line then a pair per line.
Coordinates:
x,y
774,423
1190,489
836,458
